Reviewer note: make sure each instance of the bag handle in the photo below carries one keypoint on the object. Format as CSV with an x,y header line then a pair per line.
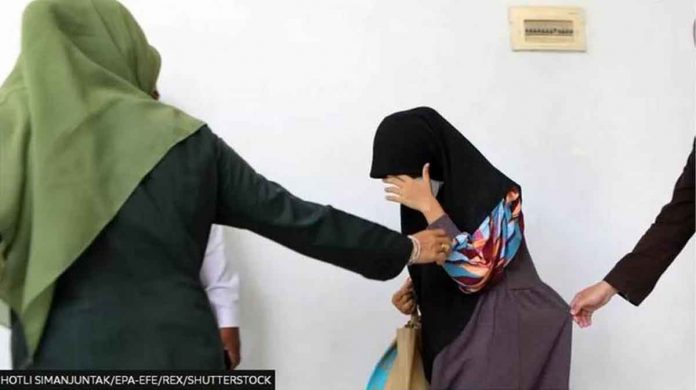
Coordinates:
x,y
414,322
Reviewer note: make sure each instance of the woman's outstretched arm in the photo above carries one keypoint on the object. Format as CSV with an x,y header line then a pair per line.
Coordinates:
x,y
247,200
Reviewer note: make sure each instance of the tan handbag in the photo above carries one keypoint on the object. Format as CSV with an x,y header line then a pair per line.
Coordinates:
x,y
407,372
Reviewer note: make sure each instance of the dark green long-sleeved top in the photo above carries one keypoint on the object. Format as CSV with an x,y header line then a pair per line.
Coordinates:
x,y
133,300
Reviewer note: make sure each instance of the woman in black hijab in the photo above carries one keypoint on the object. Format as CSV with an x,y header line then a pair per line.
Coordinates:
x,y
488,321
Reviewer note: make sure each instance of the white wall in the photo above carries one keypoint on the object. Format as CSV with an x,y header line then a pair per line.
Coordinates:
x,y
596,139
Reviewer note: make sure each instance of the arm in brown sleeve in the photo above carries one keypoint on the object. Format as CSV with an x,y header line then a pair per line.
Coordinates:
x,y
445,223
637,273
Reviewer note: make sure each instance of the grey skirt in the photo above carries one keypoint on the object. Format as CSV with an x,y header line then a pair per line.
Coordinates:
x,y
519,337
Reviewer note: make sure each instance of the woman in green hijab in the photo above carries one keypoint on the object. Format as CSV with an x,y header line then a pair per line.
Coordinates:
x,y
107,197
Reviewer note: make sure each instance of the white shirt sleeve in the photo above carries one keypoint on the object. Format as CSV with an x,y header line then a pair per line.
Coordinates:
x,y
221,281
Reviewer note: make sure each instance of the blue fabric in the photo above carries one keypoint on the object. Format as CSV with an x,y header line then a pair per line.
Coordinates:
x,y
378,379
503,225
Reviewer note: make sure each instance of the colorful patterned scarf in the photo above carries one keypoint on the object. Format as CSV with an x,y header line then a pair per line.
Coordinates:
x,y
479,259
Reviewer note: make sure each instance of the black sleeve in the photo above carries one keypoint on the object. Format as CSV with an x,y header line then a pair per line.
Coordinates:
x,y
637,273
247,200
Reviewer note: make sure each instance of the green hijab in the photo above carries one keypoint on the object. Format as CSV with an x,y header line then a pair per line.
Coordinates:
x,y
78,132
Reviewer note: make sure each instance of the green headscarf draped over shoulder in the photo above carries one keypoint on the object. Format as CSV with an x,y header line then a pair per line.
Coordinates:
x,y
78,132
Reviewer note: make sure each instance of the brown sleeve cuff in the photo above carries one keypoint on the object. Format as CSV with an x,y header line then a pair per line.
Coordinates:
x,y
446,224
620,277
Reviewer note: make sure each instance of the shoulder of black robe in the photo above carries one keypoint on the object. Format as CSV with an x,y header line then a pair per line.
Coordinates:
x,y
404,142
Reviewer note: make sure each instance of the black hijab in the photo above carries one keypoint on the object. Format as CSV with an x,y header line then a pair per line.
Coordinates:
x,y
472,187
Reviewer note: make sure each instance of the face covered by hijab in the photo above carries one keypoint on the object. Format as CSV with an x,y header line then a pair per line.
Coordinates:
x,y
471,188
79,131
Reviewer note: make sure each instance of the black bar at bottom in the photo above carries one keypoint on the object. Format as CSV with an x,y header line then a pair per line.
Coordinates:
x,y
246,379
